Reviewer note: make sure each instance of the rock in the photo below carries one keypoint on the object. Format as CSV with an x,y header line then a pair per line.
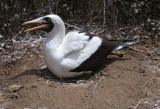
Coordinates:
x,y
15,87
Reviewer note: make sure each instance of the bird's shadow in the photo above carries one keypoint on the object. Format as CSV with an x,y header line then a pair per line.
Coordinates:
x,y
46,74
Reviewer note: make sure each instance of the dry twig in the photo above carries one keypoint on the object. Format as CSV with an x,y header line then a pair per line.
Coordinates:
x,y
6,20
137,104
50,6
104,12
40,96
95,86
106,101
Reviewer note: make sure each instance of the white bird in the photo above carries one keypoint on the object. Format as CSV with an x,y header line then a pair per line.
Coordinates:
x,y
69,55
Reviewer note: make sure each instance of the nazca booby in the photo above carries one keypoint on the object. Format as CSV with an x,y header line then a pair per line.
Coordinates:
x,y
69,55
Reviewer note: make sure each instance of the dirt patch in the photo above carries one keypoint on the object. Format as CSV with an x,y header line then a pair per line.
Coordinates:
x,y
132,81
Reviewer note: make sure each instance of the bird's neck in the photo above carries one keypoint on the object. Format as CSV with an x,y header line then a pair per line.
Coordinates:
x,y
55,37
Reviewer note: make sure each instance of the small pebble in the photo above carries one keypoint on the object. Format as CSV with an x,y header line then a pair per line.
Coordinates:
x,y
155,105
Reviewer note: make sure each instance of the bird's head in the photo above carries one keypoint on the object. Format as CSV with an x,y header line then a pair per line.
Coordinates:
x,y
47,23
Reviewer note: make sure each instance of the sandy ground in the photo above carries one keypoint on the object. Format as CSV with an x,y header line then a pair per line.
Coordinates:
x,y
130,82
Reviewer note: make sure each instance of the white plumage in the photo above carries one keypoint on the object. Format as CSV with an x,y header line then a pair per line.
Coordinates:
x,y
63,53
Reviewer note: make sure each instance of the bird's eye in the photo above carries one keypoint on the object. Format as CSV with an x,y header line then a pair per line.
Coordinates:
x,y
49,19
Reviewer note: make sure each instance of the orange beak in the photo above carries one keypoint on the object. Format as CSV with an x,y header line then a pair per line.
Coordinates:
x,y
38,20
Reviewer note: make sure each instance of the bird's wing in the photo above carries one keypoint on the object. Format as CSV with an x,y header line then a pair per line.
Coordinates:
x,y
72,42
76,58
